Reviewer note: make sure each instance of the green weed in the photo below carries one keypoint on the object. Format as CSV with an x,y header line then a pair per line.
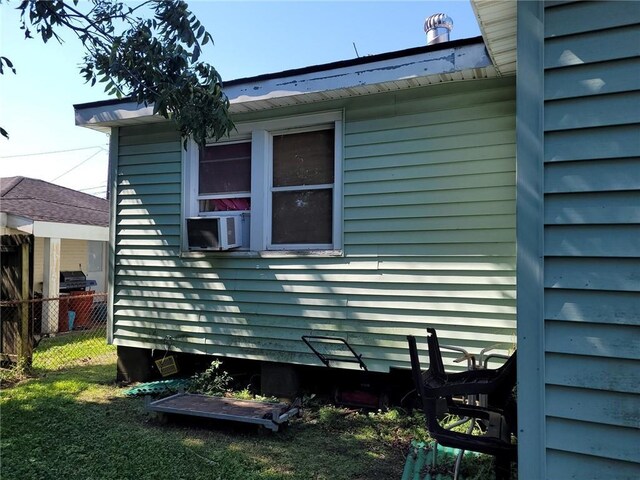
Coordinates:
x,y
15,373
213,381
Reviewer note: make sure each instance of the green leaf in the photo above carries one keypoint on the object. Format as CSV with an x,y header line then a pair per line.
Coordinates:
x,y
155,60
7,61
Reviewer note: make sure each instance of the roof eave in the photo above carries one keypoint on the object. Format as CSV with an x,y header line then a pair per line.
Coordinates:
x,y
462,60
44,229
17,222
498,24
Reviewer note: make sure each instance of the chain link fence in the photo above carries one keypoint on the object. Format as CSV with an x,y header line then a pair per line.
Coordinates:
x,y
57,332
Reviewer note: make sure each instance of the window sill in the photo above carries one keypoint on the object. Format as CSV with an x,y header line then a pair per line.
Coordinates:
x,y
263,254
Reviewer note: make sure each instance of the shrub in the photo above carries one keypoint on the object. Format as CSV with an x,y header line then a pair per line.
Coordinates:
x,y
213,381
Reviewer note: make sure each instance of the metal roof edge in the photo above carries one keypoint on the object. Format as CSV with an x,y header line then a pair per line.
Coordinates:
x,y
313,68
358,61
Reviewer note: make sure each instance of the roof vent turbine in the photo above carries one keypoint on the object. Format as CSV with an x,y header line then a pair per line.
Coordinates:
x,y
437,28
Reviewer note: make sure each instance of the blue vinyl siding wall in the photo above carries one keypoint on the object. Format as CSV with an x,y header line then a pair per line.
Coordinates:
x,y
592,239
429,239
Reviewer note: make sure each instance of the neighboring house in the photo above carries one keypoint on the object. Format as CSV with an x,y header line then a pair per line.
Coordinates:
x,y
379,195
69,230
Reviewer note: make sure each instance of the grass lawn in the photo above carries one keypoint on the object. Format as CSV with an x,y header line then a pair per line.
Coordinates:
x,y
76,424
72,348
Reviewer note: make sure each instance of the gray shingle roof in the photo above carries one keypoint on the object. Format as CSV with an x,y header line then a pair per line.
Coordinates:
x,y
44,201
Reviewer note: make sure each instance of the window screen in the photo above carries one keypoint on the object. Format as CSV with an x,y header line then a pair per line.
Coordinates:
x,y
303,158
302,193
225,177
302,217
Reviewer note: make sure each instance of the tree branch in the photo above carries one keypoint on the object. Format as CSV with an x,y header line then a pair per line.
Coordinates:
x,y
90,22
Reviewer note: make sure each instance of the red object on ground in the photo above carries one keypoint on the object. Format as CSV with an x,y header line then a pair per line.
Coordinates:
x,y
82,304
358,398
63,314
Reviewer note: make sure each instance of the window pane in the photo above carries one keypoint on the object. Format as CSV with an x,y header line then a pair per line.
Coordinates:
x,y
302,217
225,168
96,256
225,204
303,158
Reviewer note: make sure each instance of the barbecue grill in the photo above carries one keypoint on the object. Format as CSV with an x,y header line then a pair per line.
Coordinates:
x,y
74,281
75,298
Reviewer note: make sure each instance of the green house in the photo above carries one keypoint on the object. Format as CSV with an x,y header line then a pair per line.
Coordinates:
x,y
488,187
578,222
403,214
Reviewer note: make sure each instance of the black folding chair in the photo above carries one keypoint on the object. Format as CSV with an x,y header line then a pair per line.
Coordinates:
x,y
435,394
498,384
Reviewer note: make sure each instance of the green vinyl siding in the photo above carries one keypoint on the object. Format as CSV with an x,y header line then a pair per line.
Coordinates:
x,y
581,49
429,239
592,239
589,466
593,178
592,79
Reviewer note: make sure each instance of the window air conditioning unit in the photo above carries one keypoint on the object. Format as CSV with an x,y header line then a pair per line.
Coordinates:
x,y
214,233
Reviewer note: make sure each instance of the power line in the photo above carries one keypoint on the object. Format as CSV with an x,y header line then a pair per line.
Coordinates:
x,y
55,151
101,194
97,187
76,166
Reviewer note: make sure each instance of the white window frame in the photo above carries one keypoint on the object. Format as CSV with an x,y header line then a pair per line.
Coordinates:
x,y
261,134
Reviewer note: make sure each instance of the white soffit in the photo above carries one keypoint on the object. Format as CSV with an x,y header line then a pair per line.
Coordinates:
x,y
497,20
16,222
464,62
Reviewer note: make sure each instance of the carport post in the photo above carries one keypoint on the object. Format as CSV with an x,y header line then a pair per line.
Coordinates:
x,y
51,284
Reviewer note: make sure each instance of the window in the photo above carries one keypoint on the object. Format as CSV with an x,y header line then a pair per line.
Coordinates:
x,y
283,176
96,256
302,188
224,178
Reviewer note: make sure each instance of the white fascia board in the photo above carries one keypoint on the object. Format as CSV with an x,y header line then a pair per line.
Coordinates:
x,y
384,71
115,114
70,231
42,229
343,81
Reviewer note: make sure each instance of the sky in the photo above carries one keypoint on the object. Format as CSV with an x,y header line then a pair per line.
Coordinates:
x,y
250,38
